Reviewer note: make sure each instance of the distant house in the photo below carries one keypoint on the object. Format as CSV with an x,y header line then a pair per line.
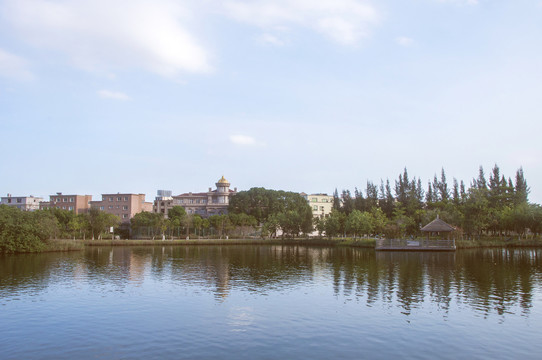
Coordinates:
x,y
321,204
76,203
205,204
25,203
125,206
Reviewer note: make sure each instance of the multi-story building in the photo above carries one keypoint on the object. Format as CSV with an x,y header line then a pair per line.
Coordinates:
x,y
125,206
205,204
76,203
25,203
321,204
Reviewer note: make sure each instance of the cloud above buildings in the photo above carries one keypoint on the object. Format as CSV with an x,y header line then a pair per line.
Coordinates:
x,y
404,41
102,34
344,21
115,95
461,2
14,67
243,140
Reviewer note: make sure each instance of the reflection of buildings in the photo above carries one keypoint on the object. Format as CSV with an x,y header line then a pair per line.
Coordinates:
x,y
205,204
25,203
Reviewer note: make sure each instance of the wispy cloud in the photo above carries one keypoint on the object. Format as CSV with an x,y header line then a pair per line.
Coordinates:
x,y
115,95
105,34
404,41
461,2
271,39
243,140
344,21
14,67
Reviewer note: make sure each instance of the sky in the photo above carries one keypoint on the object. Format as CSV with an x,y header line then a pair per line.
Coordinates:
x,y
133,96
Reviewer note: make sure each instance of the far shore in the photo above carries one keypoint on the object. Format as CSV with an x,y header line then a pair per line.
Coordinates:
x,y
71,245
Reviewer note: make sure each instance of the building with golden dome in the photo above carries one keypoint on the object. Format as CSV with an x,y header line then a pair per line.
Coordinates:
x,y
205,204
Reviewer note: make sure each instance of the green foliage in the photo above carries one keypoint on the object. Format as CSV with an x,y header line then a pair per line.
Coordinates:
x,y
275,209
22,231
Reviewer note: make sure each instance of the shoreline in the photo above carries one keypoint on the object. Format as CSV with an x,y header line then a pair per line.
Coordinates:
x,y
335,242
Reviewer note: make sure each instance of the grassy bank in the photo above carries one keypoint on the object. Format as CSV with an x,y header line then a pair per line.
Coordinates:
x,y
346,242
369,243
498,243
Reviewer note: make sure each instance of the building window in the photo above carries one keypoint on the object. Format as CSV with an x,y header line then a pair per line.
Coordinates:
x,y
71,199
70,208
119,198
63,208
110,207
314,200
125,207
19,201
110,199
101,207
315,207
126,198
125,216
9,201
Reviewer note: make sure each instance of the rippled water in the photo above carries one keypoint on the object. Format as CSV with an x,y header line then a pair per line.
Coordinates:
x,y
270,302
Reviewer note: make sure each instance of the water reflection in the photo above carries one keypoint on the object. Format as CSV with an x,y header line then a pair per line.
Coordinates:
x,y
489,281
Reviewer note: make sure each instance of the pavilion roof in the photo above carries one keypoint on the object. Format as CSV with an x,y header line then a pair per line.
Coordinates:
x,y
438,225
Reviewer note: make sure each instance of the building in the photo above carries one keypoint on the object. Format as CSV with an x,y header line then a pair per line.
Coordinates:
x,y
205,204
125,206
25,203
321,204
77,203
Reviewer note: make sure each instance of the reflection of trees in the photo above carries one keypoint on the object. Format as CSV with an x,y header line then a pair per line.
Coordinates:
x,y
486,280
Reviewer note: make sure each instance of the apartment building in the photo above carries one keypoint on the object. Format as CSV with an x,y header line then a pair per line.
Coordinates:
x,y
25,203
125,206
77,203
321,204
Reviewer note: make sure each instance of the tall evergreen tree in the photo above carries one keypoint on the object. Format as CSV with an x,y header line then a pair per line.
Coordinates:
x,y
444,195
456,198
522,190
336,200
481,182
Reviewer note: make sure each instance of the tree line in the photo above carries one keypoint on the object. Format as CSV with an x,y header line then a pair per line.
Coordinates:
x,y
29,231
495,206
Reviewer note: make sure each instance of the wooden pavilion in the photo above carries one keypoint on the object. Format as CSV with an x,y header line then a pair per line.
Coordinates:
x,y
436,228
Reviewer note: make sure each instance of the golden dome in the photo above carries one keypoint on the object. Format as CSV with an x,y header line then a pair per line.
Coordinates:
x,y
223,180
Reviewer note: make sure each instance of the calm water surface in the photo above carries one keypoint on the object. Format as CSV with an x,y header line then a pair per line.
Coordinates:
x,y
271,302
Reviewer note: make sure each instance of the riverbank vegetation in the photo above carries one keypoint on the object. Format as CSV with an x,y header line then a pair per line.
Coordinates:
x,y
36,231
492,212
496,207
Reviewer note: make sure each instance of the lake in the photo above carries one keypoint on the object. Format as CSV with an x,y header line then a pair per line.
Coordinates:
x,y
270,302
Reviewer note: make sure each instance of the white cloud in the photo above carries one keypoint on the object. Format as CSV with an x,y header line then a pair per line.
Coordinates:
x,y
404,41
344,21
105,34
460,2
243,140
116,95
13,66
271,39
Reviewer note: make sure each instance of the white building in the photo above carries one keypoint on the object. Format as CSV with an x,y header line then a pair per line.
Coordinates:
x,y
205,204
321,204
25,203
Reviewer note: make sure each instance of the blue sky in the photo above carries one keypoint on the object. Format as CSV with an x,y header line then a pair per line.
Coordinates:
x,y
109,96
